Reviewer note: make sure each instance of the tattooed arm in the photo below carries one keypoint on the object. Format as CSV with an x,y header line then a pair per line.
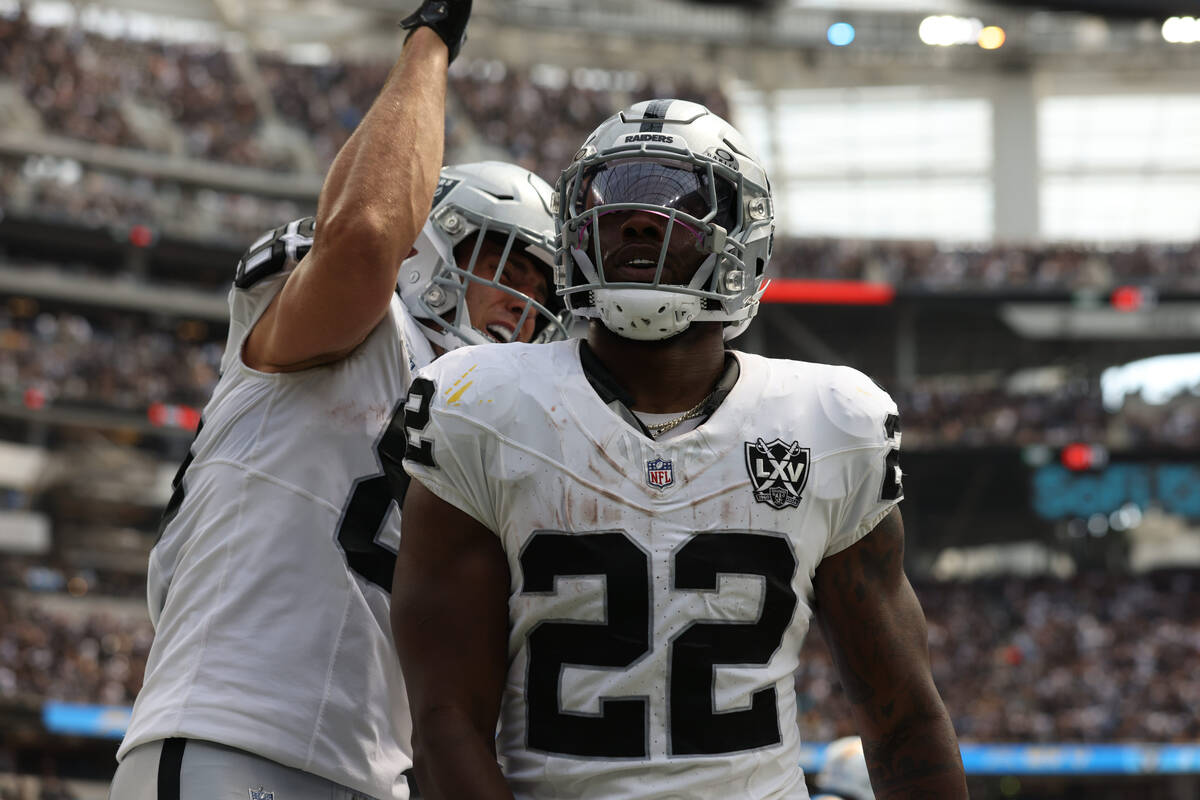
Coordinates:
x,y
876,632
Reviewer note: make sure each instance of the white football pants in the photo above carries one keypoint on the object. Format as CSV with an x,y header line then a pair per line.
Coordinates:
x,y
190,769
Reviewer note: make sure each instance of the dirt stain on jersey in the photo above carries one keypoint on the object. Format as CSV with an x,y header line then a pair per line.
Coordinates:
x,y
348,413
351,415
589,512
728,510
611,514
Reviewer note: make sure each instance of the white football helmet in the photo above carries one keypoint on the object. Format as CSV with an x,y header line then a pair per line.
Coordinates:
x,y
488,198
844,772
679,161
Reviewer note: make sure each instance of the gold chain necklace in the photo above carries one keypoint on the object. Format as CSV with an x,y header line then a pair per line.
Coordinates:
x,y
660,428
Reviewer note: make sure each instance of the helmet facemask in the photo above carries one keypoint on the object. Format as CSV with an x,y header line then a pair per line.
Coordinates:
x,y
694,198
490,225
443,306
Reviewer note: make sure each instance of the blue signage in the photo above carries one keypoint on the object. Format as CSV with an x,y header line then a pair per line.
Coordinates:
x,y
1059,493
110,722
1059,759
105,722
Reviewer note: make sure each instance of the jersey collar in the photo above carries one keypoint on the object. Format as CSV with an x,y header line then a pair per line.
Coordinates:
x,y
620,400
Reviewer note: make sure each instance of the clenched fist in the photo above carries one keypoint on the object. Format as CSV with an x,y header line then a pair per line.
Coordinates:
x,y
447,18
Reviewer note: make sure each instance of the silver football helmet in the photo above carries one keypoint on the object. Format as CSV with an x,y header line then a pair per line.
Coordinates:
x,y
486,199
844,772
694,173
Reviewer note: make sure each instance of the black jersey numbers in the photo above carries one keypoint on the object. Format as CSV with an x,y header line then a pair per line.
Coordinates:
x,y
697,728
416,417
177,487
273,251
371,496
893,486
620,729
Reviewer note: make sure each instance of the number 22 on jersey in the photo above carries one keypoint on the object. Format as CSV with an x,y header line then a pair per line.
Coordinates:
x,y
695,727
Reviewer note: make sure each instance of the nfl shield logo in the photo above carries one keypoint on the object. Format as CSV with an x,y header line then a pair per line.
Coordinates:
x,y
259,794
778,471
659,473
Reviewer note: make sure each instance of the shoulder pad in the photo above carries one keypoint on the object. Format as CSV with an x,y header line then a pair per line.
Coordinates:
x,y
464,375
856,405
492,383
274,251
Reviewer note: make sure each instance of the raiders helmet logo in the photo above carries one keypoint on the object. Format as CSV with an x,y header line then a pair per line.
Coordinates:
x,y
778,471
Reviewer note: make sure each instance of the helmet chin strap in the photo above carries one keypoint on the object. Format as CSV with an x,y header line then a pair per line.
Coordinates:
x,y
646,315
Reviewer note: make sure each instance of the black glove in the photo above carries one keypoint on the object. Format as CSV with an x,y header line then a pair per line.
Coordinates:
x,y
447,18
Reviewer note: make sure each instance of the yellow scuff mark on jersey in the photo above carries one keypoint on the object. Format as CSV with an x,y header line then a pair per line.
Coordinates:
x,y
454,398
461,378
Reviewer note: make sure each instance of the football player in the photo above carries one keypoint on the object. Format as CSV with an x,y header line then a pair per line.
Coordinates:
x,y
616,546
273,673
844,776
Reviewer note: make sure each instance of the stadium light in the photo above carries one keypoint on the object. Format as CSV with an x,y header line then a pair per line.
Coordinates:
x,y
947,31
840,34
1181,30
1125,518
1080,457
1133,298
992,37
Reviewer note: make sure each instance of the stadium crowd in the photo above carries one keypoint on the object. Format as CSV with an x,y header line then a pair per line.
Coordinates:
x,y
933,268
1090,660
65,191
95,659
106,359
1097,658
937,413
941,415
110,360
85,86
89,87
50,575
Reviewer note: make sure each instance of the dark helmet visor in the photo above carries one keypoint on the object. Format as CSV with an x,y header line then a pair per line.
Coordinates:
x,y
667,184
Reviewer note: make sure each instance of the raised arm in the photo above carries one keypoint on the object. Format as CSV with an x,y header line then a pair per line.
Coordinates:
x,y
373,204
450,619
876,631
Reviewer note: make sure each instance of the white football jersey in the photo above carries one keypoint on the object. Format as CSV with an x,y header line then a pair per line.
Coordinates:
x,y
660,590
269,584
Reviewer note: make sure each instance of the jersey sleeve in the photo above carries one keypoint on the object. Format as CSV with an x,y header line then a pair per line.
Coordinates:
x,y
260,275
869,419
448,452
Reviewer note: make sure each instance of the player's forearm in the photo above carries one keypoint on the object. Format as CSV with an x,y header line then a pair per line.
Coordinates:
x,y
917,758
380,186
453,760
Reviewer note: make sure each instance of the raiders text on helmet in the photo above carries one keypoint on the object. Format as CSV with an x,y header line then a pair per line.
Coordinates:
x,y
488,198
684,164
